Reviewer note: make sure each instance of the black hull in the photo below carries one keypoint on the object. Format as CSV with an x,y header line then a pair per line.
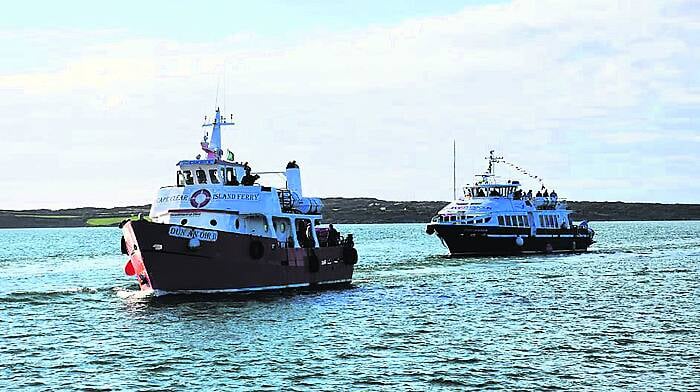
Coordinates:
x,y
232,263
479,240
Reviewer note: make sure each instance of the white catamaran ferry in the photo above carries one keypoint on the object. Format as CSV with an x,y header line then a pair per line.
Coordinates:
x,y
495,217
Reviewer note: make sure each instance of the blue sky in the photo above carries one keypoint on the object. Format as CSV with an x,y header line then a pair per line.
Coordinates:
x,y
600,98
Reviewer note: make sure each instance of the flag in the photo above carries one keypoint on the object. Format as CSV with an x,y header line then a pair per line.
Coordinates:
x,y
229,155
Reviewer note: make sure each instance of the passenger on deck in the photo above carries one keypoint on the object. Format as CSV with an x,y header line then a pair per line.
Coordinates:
x,y
301,236
517,195
309,236
553,195
529,194
539,194
333,236
249,179
545,194
292,165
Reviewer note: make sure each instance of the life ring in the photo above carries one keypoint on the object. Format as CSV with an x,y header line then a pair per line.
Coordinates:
x,y
350,255
314,262
257,250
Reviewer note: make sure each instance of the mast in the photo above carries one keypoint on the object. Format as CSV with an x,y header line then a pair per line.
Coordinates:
x,y
454,169
493,159
213,146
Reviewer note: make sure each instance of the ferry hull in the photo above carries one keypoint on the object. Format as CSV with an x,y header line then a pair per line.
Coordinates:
x,y
231,262
465,240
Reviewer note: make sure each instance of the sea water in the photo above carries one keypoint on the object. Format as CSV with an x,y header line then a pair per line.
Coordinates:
x,y
624,315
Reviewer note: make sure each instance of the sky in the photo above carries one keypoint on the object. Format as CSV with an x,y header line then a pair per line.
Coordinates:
x,y
99,101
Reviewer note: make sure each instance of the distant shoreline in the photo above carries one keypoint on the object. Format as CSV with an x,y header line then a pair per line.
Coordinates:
x,y
352,210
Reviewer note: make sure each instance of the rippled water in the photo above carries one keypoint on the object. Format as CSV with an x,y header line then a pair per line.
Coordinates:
x,y
625,315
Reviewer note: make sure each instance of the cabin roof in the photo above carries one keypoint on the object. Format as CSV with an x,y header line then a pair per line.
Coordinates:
x,y
196,162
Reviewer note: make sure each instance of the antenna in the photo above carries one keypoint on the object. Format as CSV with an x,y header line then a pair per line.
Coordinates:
x,y
454,169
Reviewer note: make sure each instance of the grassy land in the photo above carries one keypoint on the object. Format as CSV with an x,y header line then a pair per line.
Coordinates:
x,y
352,210
108,221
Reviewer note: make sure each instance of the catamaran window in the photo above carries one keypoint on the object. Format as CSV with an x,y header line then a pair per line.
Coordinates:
x,y
541,221
453,218
508,221
556,221
520,221
500,221
214,175
526,221
487,220
180,179
201,176
188,177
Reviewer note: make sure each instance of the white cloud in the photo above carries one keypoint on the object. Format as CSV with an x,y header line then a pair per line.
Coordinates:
x,y
372,112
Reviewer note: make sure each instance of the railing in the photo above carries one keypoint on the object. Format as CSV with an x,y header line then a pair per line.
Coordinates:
x,y
548,203
285,197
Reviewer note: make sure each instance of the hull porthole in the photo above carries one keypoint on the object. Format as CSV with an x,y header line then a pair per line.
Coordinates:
x,y
257,251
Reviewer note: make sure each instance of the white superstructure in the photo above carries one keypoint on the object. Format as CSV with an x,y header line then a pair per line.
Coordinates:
x,y
223,195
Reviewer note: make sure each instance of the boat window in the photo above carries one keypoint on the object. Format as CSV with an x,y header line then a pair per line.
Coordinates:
x,y
526,221
508,221
541,221
214,175
180,179
556,221
487,220
201,176
188,177
520,221
453,218
501,222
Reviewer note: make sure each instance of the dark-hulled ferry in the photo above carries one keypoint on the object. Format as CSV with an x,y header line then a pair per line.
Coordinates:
x,y
219,230
495,217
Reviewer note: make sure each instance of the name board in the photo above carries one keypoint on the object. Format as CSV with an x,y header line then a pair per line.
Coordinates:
x,y
215,196
186,232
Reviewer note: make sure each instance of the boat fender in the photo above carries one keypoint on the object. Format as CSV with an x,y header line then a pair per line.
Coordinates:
x,y
350,255
129,268
519,241
257,250
314,262
124,250
194,243
430,230
573,245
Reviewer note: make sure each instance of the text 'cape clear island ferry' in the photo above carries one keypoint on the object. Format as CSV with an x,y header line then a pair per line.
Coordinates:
x,y
495,217
218,230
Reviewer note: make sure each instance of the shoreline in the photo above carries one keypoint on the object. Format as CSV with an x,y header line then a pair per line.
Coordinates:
x,y
352,211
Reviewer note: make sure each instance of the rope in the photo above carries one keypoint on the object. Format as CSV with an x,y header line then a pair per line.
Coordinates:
x,y
523,171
